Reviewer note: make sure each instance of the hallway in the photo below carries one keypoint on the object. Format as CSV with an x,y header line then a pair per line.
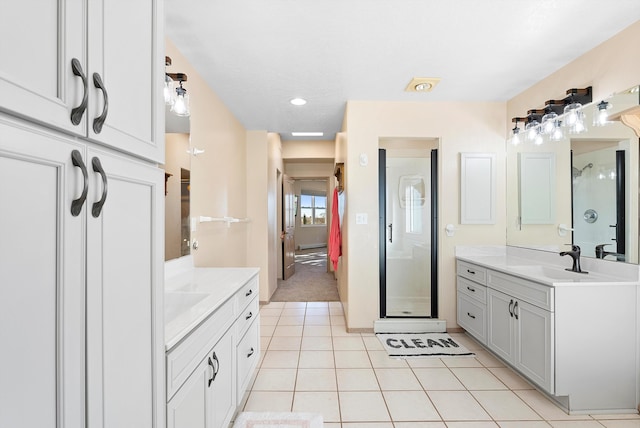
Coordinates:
x,y
311,281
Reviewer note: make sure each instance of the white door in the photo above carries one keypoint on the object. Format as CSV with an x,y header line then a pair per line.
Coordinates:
x,y
41,281
289,220
123,50
534,344
39,42
500,335
125,344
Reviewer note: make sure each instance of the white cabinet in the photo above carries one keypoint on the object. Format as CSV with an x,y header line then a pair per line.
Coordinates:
x,y
205,400
209,367
91,68
78,284
522,335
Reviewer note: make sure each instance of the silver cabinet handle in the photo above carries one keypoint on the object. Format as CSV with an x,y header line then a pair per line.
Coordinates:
x,y
471,316
251,351
96,208
77,112
99,121
248,316
473,290
390,233
76,205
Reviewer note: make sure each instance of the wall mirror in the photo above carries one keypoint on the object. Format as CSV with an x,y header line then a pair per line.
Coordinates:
x,y
595,182
177,186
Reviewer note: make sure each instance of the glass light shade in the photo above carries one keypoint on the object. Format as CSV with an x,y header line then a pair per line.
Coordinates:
x,y
181,105
169,92
571,113
600,115
549,123
557,134
532,130
515,140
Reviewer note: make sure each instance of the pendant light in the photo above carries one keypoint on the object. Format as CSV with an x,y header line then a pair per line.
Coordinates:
x,y
515,140
181,104
549,120
177,98
600,115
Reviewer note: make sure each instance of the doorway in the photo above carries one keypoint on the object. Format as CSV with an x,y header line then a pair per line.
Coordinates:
x,y
408,206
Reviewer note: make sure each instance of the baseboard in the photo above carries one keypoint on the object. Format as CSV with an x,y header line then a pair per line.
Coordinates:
x,y
409,325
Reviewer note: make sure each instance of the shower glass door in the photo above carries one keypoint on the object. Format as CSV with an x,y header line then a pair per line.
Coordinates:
x,y
406,207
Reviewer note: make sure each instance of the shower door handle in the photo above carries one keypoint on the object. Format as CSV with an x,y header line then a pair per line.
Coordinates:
x,y
390,233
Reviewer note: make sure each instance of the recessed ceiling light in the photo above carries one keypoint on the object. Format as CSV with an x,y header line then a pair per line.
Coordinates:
x,y
422,84
307,134
298,101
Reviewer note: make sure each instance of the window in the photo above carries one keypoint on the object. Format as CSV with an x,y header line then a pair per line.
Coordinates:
x,y
313,208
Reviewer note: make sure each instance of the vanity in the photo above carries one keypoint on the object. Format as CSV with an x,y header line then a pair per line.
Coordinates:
x,y
573,335
212,342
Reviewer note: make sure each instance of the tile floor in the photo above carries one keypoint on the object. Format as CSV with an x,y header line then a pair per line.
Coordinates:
x,y
311,364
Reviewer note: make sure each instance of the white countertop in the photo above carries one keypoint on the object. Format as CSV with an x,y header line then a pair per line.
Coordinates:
x,y
548,268
193,294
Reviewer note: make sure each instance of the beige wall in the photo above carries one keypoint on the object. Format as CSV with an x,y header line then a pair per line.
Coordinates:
x,y
311,149
218,176
176,146
460,127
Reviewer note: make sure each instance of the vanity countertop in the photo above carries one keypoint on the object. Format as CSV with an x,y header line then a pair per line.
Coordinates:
x,y
193,294
548,268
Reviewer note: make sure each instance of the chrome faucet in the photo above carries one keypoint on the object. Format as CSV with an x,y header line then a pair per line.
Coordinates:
x,y
575,255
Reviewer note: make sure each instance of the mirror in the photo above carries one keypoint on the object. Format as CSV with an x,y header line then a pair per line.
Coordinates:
x,y
580,189
177,186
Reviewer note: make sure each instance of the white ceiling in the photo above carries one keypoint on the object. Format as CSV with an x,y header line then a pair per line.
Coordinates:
x,y
258,54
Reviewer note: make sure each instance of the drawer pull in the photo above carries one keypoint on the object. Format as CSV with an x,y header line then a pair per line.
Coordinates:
x,y
248,293
471,316
515,307
472,272
511,308
248,316
214,367
251,352
473,290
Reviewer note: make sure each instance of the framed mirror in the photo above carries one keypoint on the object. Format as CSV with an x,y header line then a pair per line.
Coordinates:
x,y
177,186
595,204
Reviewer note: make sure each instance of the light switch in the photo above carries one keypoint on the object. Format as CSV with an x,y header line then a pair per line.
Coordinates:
x,y
361,218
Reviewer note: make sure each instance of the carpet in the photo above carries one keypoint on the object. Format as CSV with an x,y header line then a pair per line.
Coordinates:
x,y
311,282
408,345
278,420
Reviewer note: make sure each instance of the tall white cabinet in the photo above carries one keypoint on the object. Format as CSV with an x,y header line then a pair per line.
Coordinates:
x,y
81,218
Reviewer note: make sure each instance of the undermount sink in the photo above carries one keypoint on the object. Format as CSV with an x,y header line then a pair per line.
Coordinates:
x,y
553,273
176,303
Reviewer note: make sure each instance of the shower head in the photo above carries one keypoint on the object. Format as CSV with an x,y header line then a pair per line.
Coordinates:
x,y
578,172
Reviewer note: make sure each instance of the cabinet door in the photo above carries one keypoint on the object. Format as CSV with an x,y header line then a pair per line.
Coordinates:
x,y
221,392
500,326
188,408
127,53
38,44
125,344
534,344
41,281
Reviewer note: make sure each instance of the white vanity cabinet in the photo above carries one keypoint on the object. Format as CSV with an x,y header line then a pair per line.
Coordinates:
x,y
574,338
78,283
208,366
92,68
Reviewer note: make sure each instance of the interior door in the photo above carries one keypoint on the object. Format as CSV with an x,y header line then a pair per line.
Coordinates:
x,y
289,227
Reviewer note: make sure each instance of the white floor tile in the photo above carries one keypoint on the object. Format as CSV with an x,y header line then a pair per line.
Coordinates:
x,y
544,407
316,343
419,425
352,359
323,311
292,312
475,379
284,343
317,330
357,380
410,406
372,343
288,330
280,359
458,406
291,320
270,312
316,380
380,359
325,403
269,401
267,330
367,406
487,359
297,305
397,380
266,320
348,343
275,380
317,319
483,424
316,360
317,305
425,362
575,424
523,424
621,423
366,425
505,406
510,378
438,379
461,362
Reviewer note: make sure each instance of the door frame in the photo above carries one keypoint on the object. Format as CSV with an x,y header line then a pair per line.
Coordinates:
x,y
382,234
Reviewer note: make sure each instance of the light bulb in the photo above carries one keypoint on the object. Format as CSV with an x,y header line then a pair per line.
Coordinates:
x,y
532,130
600,116
557,134
515,140
181,104
549,123
168,90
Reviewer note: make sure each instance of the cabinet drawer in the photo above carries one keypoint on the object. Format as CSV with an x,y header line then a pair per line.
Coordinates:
x,y
472,317
531,292
245,295
475,291
247,317
184,358
472,272
248,354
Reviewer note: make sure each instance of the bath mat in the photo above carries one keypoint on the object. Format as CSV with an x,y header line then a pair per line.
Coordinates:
x,y
408,345
278,420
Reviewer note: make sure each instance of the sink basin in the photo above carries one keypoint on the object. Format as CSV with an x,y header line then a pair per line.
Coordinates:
x,y
176,303
552,273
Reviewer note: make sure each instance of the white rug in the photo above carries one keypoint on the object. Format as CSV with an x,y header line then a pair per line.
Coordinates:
x,y
407,345
278,420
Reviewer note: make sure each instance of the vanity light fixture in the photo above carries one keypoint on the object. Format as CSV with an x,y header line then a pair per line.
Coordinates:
x,y
600,115
549,120
180,105
169,94
515,140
